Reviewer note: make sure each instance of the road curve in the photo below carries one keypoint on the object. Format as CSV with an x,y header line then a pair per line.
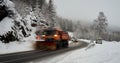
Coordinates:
x,y
31,55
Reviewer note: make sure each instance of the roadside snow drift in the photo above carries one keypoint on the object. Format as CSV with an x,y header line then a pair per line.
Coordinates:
x,y
15,47
108,52
105,53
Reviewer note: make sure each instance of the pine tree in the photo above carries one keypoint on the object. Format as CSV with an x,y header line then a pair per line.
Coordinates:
x,y
78,30
41,3
51,13
18,29
101,25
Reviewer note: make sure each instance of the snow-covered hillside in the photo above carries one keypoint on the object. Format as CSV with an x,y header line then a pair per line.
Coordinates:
x,y
14,26
108,52
6,23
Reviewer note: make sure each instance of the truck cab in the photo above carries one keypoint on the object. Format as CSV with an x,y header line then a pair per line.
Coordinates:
x,y
54,37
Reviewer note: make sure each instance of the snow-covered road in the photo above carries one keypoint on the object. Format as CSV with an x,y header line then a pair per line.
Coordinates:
x,y
108,52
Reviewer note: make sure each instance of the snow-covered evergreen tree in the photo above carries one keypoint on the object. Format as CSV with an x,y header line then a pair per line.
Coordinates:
x,y
7,23
100,25
77,30
15,28
20,16
51,14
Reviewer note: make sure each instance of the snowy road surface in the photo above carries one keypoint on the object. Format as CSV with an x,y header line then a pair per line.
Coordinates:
x,y
108,52
35,54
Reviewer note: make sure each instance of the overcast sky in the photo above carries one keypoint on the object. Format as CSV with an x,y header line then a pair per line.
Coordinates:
x,y
88,9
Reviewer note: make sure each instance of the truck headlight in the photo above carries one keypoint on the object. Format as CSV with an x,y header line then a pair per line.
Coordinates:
x,y
55,35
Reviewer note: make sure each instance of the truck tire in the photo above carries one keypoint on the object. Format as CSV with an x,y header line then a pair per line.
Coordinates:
x,y
59,44
65,43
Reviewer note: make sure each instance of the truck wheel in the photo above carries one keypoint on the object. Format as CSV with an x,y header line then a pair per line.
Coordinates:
x,y
66,44
63,43
59,44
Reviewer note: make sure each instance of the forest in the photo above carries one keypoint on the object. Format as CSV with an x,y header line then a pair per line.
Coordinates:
x,y
28,12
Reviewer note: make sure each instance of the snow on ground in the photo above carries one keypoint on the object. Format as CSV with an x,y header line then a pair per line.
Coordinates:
x,y
25,45
12,47
105,53
84,40
108,52
15,47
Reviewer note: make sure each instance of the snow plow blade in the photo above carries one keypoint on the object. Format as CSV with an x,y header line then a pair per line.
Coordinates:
x,y
45,45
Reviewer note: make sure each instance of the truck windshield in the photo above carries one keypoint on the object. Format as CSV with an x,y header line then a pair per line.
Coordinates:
x,y
49,32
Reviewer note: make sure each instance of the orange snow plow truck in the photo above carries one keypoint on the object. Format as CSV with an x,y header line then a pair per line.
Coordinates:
x,y
52,39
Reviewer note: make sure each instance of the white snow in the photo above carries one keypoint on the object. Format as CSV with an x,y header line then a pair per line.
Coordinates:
x,y
21,46
105,53
70,34
26,45
84,40
108,52
9,3
5,25
15,47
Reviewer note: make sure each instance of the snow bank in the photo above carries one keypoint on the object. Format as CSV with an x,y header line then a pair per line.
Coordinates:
x,y
12,47
105,53
108,52
15,47
84,40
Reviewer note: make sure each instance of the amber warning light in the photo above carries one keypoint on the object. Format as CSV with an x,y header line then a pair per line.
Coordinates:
x,y
38,37
43,35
